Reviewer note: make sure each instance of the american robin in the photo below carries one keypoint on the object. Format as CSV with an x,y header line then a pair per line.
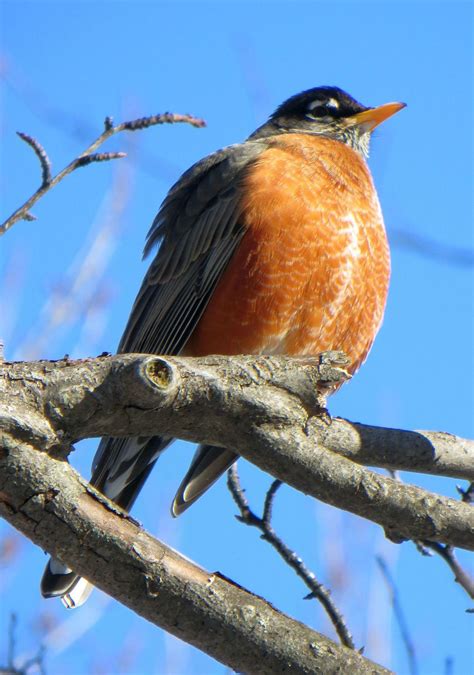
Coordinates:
x,y
273,246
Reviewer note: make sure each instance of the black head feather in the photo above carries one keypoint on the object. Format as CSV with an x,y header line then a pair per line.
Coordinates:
x,y
330,102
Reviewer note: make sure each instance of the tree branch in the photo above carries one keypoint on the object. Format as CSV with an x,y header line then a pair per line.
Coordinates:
x,y
46,500
267,409
317,589
447,553
87,157
399,615
433,452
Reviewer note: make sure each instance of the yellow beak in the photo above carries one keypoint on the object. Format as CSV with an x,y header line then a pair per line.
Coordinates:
x,y
372,117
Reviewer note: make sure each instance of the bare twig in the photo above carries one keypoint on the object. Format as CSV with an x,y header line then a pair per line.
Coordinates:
x,y
448,554
13,668
36,660
87,157
430,248
461,576
164,118
80,297
269,499
42,156
248,517
12,640
98,157
449,666
399,615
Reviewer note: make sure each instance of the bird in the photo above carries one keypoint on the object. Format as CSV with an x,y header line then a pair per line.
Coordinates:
x,y
275,245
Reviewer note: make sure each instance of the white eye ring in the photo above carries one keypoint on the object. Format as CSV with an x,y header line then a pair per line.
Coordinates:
x,y
329,103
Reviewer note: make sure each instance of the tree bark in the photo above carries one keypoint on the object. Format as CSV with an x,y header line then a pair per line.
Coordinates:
x,y
47,500
269,410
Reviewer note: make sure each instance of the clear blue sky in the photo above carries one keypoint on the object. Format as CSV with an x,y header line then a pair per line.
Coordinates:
x,y
65,66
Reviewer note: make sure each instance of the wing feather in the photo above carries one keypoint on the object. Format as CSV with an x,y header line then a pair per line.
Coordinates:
x,y
198,227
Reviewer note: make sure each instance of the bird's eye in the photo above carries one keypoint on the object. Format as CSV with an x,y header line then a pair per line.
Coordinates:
x,y
317,111
327,108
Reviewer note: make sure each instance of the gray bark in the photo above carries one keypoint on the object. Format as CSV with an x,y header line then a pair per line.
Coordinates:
x,y
271,411
268,409
48,501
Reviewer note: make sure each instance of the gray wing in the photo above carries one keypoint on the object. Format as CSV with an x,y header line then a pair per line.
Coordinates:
x,y
198,227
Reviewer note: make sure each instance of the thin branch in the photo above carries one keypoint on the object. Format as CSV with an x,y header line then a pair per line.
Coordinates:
x,y
461,576
164,118
82,291
98,157
399,615
447,553
13,668
87,157
35,661
317,590
269,499
42,156
428,247
12,640
449,666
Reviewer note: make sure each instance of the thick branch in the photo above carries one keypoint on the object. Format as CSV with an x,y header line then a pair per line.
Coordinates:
x,y
434,452
265,408
47,501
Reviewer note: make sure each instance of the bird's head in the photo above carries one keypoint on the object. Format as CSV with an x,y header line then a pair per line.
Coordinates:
x,y
329,112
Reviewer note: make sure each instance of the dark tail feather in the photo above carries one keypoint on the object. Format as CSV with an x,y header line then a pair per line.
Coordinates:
x,y
60,581
109,470
208,464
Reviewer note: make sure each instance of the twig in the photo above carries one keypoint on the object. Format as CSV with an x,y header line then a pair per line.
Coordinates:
x,y
248,517
37,660
98,157
430,248
399,615
11,668
82,291
461,576
12,641
42,156
87,157
449,665
448,554
269,499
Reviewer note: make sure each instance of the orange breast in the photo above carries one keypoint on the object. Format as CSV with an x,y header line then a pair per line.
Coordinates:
x,y
312,270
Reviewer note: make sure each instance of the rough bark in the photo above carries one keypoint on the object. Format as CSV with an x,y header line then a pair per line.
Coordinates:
x,y
46,500
271,411
268,409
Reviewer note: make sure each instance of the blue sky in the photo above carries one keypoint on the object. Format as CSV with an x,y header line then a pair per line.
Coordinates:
x,y
65,66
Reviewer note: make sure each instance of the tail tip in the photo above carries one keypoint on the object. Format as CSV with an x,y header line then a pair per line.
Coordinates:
x,y
61,582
